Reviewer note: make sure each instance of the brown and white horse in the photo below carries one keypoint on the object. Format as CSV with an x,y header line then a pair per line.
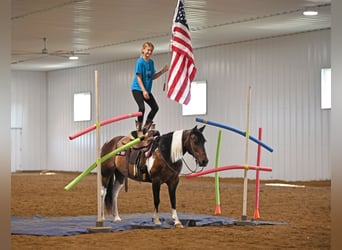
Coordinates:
x,y
161,164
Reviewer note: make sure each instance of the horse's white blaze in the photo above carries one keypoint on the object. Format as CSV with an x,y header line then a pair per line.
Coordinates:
x,y
176,146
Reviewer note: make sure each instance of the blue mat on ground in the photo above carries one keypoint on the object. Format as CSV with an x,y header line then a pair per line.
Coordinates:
x,y
64,226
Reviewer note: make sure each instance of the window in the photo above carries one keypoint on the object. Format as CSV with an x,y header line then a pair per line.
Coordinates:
x,y
82,106
198,101
326,88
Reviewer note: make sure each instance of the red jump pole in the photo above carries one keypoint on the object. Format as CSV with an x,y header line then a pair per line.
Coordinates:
x,y
105,122
257,180
232,167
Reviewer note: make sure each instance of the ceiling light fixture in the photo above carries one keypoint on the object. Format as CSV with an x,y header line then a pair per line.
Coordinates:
x,y
310,13
73,57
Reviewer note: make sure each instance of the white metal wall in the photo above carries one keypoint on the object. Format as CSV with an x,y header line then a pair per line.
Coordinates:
x,y
284,74
29,121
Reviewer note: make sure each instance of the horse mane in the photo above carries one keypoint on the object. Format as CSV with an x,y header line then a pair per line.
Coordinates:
x,y
171,146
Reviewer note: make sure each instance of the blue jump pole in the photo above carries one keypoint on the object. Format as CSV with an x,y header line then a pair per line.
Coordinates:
x,y
240,132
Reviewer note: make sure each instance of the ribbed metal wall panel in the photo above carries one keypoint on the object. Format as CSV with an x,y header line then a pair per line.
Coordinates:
x,y
284,73
29,120
114,93
64,154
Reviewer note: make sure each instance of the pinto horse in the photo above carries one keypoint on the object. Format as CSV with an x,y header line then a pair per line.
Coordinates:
x,y
157,160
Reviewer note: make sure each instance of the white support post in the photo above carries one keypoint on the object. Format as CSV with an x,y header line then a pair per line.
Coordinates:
x,y
99,222
245,178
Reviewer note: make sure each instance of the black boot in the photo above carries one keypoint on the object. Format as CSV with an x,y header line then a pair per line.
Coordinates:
x,y
147,125
138,125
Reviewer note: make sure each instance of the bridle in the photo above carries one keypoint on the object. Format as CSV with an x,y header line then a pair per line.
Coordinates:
x,y
196,168
191,153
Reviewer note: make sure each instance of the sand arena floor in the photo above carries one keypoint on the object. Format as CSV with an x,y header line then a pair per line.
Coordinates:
x,y
306,210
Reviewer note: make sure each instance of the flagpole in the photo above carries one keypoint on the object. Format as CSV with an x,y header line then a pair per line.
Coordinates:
x,y
169,51
167,74
182,68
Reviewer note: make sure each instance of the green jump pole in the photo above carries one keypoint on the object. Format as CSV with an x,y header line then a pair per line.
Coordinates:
x,y
103,159
217,181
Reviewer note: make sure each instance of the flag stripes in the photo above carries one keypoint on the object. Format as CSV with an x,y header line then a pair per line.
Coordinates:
x,y
182,67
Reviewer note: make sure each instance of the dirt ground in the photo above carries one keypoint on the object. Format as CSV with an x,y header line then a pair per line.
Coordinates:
x,y
306,210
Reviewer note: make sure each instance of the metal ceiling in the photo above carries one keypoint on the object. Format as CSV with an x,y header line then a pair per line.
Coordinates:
x,y
110,30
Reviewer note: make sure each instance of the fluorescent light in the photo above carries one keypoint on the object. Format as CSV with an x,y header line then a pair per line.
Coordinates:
x,y
73,57
310,13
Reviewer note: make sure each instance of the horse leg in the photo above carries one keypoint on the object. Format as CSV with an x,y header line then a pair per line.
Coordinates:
x,y
106,189
103,195
118,184
156,199
172,194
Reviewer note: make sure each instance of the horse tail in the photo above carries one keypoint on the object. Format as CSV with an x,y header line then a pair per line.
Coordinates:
x,y
109,195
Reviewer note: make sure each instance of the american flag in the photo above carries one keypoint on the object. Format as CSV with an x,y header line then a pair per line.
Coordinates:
x,y
182,67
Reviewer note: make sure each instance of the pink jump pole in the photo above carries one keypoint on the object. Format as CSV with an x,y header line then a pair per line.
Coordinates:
x,y
105,122
257,180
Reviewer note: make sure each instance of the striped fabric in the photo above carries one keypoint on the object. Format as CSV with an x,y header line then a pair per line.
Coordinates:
x,y
182,67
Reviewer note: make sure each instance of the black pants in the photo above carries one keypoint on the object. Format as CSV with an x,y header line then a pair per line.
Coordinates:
x,y
140,100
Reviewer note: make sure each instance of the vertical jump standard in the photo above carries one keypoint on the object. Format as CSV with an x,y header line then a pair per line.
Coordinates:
x,y
244,167
99,223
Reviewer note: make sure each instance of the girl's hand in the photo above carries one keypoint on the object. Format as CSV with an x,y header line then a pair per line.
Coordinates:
x,y
165,69
146,95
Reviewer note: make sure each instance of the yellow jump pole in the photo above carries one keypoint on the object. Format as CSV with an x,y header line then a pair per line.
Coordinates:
x,y
217,180
245,178
103,159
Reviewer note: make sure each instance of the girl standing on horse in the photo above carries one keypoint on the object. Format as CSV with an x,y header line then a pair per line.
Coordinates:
x,y
145,73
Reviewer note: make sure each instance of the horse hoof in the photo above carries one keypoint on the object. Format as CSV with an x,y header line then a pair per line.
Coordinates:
x,y
179,225
156,222
117,219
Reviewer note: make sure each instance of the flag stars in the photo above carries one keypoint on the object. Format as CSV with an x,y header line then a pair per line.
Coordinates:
x,y
181,15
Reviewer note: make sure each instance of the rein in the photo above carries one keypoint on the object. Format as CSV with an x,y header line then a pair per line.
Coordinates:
x,y
169,165
190,170
187,166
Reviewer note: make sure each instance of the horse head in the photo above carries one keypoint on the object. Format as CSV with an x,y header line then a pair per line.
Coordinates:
x,y
194,144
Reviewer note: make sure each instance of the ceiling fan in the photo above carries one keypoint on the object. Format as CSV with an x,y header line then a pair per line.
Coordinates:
x,y
71,55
